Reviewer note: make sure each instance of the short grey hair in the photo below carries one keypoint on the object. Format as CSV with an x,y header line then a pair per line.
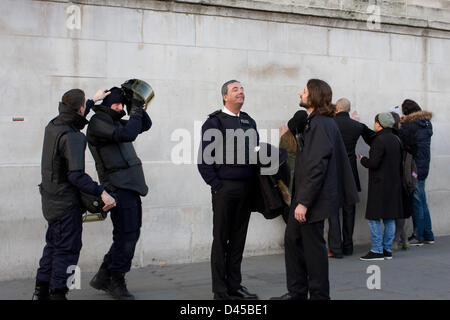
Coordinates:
x,y
225,88
343,104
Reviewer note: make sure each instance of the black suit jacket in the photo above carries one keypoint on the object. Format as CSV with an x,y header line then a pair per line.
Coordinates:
x,y
323,179
351,130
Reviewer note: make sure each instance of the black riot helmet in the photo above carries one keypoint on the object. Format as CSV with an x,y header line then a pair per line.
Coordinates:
x,y
137,93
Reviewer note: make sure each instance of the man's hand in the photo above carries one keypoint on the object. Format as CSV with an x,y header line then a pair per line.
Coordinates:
x,y
355,116
100,95
283,129
300,213
109,201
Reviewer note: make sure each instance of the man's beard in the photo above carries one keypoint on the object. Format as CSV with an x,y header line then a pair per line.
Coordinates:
x,y
303,105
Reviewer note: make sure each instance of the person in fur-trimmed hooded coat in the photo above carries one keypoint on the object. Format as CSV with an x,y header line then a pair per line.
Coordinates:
x,y
416,132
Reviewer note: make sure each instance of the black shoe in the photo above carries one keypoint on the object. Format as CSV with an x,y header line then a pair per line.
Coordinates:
x,y
243,294
415,242
102,279
372,256
222,296
41,290
288,296
118,288
387,255
428,241
347,252
58,294
335,255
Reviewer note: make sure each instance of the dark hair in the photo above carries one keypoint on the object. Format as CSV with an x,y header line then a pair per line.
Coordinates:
x,y
320,95
396,119
410,106
73,99
225,88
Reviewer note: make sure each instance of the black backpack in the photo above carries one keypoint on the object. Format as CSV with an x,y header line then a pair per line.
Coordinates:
x,y
409,171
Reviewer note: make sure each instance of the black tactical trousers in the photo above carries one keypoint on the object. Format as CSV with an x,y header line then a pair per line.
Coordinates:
x,y
127,220
62,249
306,260
230,223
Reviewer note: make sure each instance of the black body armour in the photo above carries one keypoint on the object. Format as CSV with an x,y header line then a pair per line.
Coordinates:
x,y
117,163
63,151
238,142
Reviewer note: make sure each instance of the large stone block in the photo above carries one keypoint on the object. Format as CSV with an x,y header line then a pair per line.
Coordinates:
x,y
23,17
54,56
359,44
219,32
166,235
22,243
169,28
438,77
400,76
295,38
109,23
274,68
438,50
407,48
23,200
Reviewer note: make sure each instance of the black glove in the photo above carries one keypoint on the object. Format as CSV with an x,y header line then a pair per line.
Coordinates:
x,y
136,111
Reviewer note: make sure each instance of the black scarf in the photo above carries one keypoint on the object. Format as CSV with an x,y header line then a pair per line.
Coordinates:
x,y
115,115
68,116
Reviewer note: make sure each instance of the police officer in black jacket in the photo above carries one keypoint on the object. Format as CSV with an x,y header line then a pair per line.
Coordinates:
x,y
229,168
63,177
120,170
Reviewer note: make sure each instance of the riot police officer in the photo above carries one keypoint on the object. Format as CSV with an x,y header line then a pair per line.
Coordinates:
x,y
120,170
230,181
63,177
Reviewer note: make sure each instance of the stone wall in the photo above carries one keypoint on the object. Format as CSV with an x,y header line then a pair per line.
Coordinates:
x,y
186,50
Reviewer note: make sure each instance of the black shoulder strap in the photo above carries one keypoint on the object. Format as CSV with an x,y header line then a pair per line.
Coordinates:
x,y
215,113
218,114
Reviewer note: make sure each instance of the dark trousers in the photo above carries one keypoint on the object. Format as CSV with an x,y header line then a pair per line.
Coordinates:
x,y
336,244
62,249
230,222
400,233
306,260
127,220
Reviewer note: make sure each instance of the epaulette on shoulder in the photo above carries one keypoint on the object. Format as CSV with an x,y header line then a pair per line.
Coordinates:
x,y
215,113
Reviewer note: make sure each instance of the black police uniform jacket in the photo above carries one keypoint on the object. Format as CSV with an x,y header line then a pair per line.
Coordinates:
x,y
63,151
323,179
234,162
117,163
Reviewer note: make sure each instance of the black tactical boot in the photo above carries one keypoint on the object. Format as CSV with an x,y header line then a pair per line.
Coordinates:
x,y
102,280
41,290
118,288
58,294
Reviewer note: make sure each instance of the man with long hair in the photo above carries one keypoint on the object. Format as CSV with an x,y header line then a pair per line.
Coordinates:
x,y
323,183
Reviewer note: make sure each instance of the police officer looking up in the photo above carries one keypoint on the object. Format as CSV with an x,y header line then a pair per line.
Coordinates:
x,y
63,177
120,170
230,181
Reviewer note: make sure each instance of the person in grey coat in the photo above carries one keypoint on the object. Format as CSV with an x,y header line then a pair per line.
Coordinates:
x,y
384,199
